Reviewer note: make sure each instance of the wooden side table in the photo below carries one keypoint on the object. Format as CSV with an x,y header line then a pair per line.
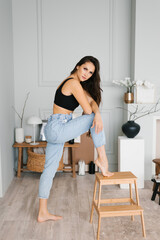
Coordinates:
x,y
133,208
42,144
157,169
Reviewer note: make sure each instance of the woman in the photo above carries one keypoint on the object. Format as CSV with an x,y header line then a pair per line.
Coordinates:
x,y
82,87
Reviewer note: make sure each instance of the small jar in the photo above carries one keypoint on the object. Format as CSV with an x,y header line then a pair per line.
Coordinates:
x,y
28,139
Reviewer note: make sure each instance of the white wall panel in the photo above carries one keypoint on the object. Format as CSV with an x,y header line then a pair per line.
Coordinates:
x,y
69,30
147,39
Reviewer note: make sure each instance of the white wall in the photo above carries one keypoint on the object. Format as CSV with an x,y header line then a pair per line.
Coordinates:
x,y
51,36
145,65
6,96
147,39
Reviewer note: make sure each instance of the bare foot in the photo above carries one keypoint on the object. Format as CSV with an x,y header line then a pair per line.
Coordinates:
x,y
103,166
42,217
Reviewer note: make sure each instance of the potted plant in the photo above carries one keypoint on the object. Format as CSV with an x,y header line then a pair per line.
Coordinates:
x,y
128,96
140,85
19,132
131,128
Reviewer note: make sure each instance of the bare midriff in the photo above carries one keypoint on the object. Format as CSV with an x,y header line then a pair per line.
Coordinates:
x,y
60,110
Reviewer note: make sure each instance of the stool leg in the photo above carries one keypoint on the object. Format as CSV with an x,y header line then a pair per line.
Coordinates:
x,y
94,198
143,227
99,195
155,192
99,224
130,190
136,190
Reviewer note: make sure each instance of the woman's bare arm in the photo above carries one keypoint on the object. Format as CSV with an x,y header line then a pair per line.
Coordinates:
x,y
80,96
97,122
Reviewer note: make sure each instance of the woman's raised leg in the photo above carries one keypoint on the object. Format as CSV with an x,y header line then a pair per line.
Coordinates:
x,y
80,125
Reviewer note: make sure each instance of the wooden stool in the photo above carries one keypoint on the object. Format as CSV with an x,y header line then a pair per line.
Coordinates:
x,y
157,169
118,210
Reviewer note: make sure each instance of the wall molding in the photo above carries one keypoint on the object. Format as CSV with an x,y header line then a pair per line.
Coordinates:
x,y
40,60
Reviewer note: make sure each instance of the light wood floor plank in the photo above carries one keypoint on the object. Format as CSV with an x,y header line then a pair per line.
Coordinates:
x,y
71,198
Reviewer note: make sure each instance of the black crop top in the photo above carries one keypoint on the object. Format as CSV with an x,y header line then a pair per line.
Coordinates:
x,y
64,101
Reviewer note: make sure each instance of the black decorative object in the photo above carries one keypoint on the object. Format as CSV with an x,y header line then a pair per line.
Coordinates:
x,y
71,141
130,129
92,168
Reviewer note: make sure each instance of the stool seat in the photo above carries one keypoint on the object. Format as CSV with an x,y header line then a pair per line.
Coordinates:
x,y
117,178
133,208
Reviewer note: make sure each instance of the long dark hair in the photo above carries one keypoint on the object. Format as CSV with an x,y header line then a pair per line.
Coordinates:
x,y
92,85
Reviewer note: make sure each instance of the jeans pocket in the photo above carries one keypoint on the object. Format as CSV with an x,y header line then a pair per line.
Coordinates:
x,y
51,132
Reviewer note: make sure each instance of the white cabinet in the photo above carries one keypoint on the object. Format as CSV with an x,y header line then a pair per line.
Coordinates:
x,y
131,158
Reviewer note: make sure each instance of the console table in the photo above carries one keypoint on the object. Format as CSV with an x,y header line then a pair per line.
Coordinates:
x,y
42,144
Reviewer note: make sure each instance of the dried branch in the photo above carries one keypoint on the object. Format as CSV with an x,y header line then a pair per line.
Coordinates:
x,y
136,112
16,112
24,108
21,116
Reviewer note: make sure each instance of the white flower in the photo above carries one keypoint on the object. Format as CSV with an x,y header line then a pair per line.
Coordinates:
x,y
144,83
148,84
139,83
125,83
130,84
116,82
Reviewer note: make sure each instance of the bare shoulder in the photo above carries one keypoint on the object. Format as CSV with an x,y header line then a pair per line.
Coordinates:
x,y
73,83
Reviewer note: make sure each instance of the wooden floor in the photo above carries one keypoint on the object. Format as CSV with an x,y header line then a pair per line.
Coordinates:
x,y
72,199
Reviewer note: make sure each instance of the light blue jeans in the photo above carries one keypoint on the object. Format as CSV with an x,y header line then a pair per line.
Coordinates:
x,y
60,129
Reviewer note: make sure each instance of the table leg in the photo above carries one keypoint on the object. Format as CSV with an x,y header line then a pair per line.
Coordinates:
x,y
22,159
155,192
73,163
19,161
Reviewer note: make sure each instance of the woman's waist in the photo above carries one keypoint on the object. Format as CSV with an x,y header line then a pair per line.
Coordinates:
x,y
59,110
60,117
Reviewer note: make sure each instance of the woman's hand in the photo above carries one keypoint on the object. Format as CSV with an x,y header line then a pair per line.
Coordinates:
x,y
97,123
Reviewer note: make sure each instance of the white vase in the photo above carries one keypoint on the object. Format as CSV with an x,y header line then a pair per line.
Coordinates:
x,y
81,165
19,135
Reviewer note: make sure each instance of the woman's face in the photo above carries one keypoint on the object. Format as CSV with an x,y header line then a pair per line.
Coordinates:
x,y
85,71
